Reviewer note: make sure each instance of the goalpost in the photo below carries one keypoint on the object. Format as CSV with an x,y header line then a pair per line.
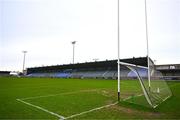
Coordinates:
x,y
118,56
148,88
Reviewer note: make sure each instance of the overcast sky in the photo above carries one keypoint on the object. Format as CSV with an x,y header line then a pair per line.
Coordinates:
x,y
45,28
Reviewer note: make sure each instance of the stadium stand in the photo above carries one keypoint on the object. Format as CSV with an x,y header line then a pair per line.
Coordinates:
x,y
4,73
169,71
141,71
101,69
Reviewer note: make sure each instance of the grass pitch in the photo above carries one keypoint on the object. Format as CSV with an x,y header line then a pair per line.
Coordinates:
x,y
54,98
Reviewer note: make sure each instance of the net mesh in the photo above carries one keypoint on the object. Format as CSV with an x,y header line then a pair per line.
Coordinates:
x,y
137,89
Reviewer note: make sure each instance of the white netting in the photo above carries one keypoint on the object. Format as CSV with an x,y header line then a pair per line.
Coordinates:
x,y
136,87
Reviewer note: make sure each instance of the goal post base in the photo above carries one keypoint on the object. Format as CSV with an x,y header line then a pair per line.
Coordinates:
x,y
118,96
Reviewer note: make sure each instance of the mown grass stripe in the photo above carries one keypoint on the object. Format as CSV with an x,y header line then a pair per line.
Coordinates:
x,y
40,108
85,112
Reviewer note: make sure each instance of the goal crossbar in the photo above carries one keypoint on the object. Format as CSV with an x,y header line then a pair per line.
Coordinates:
x,y
132,65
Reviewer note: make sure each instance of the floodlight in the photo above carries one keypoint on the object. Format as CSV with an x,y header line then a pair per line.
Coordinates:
x,y
24,53
73,43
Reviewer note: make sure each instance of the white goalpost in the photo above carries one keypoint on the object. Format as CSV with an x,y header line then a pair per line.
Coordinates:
x,y
148,87
118,55
147,41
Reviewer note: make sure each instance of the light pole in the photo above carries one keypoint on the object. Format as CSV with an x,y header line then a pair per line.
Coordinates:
x,y
73,43
95,59
24,53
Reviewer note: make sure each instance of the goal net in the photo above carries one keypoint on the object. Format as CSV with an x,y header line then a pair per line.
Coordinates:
x,y
138,88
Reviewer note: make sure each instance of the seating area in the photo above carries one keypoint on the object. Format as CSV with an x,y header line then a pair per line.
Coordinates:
x,y
101,69
82,74
4,73
142,72
60,75
105,74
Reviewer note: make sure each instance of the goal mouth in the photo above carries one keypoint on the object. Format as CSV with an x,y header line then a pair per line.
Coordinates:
x,y
141,89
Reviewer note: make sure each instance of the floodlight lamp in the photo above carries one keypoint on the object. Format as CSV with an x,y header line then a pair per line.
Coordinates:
x,y
73,42
95,59
24,51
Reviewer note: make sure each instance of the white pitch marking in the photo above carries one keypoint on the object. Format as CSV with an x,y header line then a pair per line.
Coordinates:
x,y
40,108
75,115
58,94
60,116
131,97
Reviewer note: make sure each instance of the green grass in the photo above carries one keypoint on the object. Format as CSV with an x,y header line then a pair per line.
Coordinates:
x,y
72,96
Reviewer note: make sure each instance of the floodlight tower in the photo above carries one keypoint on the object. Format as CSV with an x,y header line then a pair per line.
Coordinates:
x,y
95,59
24,58
73,43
